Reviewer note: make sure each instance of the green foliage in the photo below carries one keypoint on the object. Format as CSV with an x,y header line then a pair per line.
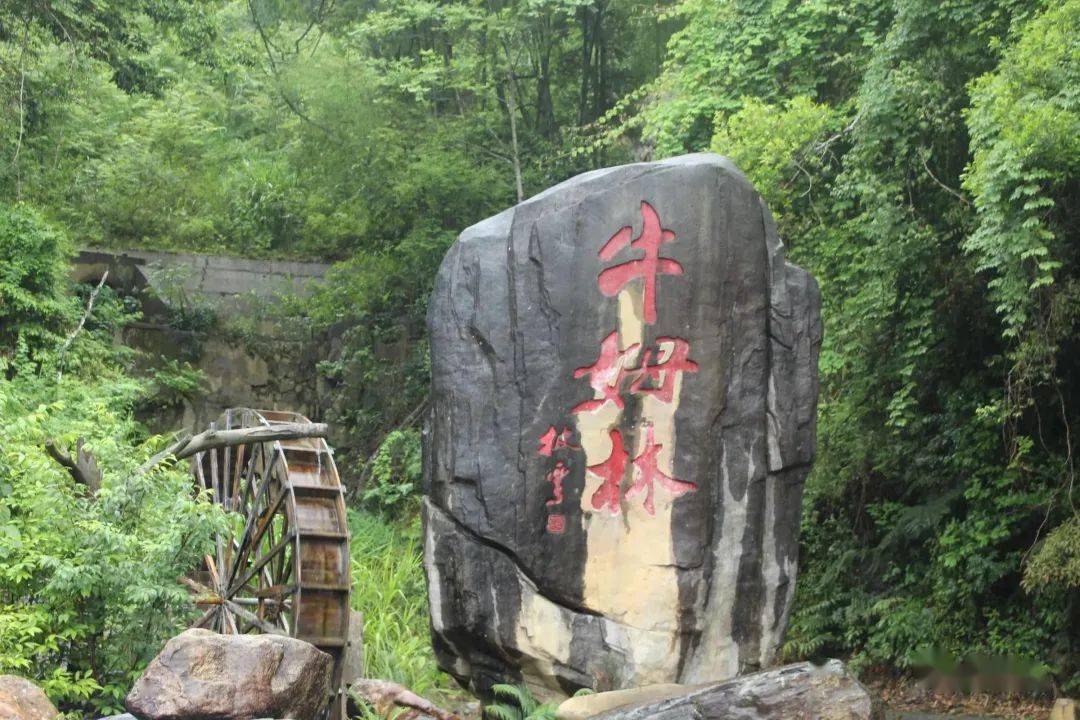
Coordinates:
x,y
173,382
518,704
393,484
88,589
389,589
33,266
1057,561
1025,130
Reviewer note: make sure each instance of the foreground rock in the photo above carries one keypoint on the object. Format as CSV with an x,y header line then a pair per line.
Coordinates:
x,y
1065,709
624,379
201,675
21,699
795,692
387,699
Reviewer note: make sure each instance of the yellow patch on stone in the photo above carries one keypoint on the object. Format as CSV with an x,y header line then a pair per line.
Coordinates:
x,y
629,571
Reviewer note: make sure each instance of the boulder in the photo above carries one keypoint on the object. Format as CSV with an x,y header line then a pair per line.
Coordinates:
x,y
21,699
624,381
795,692
1065,709
201,675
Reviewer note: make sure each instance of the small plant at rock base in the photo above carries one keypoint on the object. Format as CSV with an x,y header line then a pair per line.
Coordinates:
x,y
521,705
395,473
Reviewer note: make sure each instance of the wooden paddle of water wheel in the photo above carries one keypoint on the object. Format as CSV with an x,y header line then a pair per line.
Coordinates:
x,y
283,565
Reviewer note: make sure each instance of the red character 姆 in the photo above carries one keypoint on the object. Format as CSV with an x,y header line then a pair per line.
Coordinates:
x,y
649,473
612,279
663,374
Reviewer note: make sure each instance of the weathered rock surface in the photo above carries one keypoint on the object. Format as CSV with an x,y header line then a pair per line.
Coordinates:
x,y
201,675
21,699
624,381
795,692
1065,709
586,706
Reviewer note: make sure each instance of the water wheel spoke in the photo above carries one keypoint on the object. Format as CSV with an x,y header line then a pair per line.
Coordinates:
x,y
206,617
260,562
249,476
266,519
230,621
250,617
216,479
245,537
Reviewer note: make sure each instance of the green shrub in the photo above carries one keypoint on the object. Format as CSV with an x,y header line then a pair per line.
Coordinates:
x,y
33,272
88,589
390,590
394,482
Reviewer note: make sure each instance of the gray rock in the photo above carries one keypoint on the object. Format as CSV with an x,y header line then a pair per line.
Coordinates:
x,y
795,692
21,699
624,381
125,716
201,675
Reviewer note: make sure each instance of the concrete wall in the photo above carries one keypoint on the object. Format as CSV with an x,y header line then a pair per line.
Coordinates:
x,y
266,366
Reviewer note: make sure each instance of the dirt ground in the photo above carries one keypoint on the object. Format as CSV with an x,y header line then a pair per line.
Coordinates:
x,y
907,701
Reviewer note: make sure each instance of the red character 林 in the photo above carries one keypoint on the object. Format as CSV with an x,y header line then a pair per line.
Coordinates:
x,y
648,473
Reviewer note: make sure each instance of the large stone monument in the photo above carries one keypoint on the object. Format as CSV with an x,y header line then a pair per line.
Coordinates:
x,y
624,381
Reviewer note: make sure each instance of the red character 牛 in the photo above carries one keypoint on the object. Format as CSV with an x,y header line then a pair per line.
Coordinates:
x,y
612,279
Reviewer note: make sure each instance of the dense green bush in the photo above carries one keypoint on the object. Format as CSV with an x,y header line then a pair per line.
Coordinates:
x,y
88,589
33,266
393,484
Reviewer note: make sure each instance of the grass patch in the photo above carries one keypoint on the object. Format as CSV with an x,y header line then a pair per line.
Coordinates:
x,y
389,588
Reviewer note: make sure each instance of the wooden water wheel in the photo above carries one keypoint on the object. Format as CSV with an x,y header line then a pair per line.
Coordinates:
x,y
283,564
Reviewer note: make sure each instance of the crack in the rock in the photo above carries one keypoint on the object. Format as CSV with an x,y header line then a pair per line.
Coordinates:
x,y
509,555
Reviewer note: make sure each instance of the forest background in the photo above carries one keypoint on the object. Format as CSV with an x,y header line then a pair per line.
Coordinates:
x,y
920,157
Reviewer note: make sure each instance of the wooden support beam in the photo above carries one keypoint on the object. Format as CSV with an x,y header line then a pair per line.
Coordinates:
x,y
189,445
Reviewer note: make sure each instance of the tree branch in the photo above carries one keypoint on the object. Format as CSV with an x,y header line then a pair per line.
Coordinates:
x,y
415,414
188,445
942,185
292,105
83,468
78,328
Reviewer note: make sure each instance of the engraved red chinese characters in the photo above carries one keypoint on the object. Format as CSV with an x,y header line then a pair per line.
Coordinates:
x,y
554,440
611,473
556,477
648,473
606,375
612,280
662,375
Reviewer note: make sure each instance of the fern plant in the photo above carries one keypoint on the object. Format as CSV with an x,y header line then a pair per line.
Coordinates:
x,y
521,705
